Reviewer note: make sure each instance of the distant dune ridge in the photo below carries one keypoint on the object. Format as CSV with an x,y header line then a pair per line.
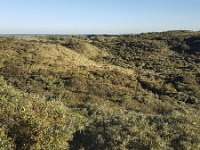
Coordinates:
x,y
136,91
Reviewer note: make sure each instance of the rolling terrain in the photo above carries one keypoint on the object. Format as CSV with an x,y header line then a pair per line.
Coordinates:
x,y
139,92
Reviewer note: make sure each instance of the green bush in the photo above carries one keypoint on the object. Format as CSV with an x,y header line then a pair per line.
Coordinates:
x,y
30,122
115,128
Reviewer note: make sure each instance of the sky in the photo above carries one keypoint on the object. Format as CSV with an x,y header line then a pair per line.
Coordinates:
x,y
97,16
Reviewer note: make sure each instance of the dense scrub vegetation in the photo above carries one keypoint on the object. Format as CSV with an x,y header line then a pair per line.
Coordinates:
x,y
100,91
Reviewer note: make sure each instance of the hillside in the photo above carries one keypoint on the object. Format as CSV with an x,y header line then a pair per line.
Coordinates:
x,y
100,91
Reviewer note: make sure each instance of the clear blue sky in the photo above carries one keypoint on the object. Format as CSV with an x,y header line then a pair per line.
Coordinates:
x,y
97,16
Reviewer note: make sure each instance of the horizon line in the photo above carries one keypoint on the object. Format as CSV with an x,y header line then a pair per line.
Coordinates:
x,y
77,34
